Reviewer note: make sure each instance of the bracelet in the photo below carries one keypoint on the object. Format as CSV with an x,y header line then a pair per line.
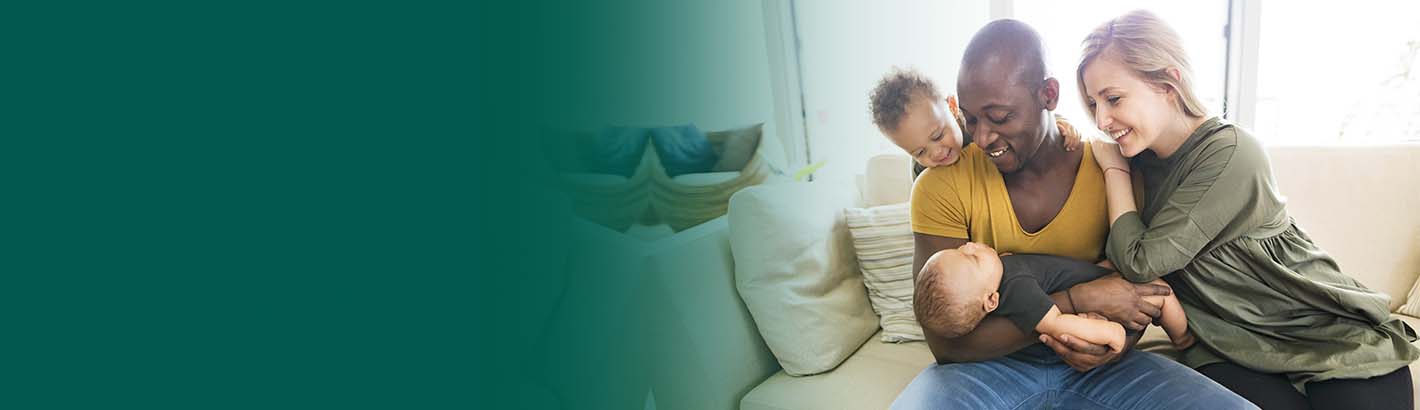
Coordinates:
x,y
1117,169
1072,301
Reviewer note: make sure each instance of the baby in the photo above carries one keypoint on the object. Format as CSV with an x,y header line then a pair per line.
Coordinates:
x,y
957,288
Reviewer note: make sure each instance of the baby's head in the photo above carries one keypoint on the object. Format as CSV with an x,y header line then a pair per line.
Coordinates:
x,y
909,110
957,288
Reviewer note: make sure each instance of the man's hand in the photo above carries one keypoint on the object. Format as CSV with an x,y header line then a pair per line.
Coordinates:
x,y
1083,356
1119,300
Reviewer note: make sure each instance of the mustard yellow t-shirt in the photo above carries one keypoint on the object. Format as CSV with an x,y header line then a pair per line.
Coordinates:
x,y
968,200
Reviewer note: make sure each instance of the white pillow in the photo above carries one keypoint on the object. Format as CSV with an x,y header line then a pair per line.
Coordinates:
x,y
795,270
882,238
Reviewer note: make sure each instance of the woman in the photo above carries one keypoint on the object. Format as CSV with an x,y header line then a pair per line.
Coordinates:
x,y
1275,319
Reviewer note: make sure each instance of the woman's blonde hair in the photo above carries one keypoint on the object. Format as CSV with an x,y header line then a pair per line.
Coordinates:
x,y
1147,45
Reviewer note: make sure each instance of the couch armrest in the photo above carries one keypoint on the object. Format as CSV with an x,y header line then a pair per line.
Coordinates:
x,y
706,351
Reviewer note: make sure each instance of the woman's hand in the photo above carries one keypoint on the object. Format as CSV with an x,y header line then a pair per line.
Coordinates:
x,y
1108,156
1119,300
1068,132
1119,191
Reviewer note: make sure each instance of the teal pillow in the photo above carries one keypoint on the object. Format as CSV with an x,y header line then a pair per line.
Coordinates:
x,y
616,150
683,149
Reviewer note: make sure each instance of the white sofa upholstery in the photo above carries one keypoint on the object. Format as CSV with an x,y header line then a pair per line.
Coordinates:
x,y
1358,203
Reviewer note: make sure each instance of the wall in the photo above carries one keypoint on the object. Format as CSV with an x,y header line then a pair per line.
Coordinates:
x,y
846,47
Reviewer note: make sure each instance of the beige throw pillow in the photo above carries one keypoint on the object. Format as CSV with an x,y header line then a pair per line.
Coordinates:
x,y
795,270
882,238
735,146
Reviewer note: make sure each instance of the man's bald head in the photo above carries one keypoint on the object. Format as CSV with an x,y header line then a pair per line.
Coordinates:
x,y
1006,46
1006,95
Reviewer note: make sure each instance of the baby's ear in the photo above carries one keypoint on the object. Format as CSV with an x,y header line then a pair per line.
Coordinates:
x,y
992,301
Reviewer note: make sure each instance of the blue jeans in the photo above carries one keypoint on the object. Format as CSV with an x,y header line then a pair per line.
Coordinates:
x,y
1139,380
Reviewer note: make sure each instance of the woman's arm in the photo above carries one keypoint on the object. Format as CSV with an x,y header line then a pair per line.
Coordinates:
x,y
1118,186
1219,188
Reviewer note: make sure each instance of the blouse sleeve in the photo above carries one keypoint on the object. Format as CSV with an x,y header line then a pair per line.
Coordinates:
x,y
1220,188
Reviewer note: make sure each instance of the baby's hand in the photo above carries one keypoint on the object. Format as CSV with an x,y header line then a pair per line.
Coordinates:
x,y
1106,264
1071,136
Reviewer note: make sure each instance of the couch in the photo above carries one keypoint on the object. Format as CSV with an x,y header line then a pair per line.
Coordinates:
x,y
649,195
1358,203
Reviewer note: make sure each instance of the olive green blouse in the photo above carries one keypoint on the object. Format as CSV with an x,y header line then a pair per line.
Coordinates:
x,y
1257,291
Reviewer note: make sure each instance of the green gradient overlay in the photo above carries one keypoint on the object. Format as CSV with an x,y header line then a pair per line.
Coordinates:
x,y
342,204
597,329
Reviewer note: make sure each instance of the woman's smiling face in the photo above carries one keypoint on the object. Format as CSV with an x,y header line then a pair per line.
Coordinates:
x,y
1129,110
928,133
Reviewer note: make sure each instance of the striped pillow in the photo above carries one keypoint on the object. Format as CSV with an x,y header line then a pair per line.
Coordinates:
x,y
882,238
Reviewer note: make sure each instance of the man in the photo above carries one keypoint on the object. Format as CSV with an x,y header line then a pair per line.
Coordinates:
x,y
1021,191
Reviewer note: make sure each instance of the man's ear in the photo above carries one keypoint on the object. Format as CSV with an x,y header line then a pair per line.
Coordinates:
x,y
992,301
1049,94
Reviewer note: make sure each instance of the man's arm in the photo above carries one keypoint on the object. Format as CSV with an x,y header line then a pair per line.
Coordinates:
x,y
976,345
925,245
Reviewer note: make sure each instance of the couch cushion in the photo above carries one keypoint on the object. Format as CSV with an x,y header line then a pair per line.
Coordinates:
x,y
1412,299
1358,204
735,146
871,379
707,353
615,150
795,269
882,239
683,149
705,178
887,180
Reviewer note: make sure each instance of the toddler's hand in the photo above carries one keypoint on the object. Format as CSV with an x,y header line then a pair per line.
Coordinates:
x,y
1068,132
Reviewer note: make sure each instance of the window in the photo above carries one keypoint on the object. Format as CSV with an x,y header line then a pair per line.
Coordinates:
x,y
1335,72
1318,73
1065,24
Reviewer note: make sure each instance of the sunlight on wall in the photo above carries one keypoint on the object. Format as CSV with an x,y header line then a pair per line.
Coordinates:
x,y
846,47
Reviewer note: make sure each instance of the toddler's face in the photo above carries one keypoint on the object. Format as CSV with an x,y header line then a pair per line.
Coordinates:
x,y
928,133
